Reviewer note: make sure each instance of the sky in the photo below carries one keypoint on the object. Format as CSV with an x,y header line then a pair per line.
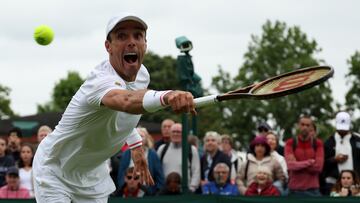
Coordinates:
x,y
220,31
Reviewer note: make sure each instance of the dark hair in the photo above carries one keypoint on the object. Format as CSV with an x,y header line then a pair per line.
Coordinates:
x,y
337,187
21,162
173,176
16,130
260,140
129,170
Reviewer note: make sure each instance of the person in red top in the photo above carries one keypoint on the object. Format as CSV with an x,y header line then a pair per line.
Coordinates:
x,y
304,156
13,190
262,185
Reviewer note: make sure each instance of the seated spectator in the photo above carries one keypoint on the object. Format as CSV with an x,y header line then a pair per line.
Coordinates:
x,y
221,185
227,148
132,186
212,156
259,156
43,132
348,184
14,143
13,190
172,185
25,168
262,186
153,160
5,161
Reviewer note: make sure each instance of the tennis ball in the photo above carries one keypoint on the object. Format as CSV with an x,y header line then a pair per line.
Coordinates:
x,y
43,35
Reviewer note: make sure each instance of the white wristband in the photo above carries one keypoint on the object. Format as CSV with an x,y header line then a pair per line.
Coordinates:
x,y
154,100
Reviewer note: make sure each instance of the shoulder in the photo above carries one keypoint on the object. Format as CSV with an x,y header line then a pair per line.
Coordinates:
x,y
319,142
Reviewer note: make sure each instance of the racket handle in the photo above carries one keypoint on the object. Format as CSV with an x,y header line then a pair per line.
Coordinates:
x,y
205,101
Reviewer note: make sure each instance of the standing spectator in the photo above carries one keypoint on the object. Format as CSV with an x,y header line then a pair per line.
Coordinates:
x,y
132,186
221,185
165,133
153,162
348,184
273,141
227,148
5,161
43,131
259,156
172,185
212,156
14,143
12,189
263,129
170,156
304,156
25,168
262,185
342,152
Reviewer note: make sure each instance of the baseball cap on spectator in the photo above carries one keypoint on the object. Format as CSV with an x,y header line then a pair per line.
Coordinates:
x,y
12,171
260,140
263,126
124,17
343,121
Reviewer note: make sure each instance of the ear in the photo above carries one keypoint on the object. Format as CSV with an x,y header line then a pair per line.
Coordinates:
x,y
107,46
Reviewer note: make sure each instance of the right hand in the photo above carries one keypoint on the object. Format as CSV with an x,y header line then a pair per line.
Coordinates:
x,y
344,192
340,158
180,102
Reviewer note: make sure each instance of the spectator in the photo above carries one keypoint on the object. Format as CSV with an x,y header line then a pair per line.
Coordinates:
x,y
212,156
263,129
262,185
13,190
348,184
43,131
221,185
194,141
259,156
304,155
5,161
132,186
227,148
153,161
14,143
170,156
25,168
273,141
342,152
172,185
165,133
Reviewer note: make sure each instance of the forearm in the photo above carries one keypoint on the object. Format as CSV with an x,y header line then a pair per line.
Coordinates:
x,y
125,101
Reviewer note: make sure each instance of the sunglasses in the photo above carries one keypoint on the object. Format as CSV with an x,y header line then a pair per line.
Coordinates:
x,y
135,178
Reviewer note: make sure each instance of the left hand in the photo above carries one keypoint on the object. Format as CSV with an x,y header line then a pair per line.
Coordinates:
x,y
140,165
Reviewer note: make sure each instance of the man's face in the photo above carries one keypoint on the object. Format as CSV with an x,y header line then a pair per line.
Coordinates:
x,y
176,133
131,181
127,48
12,181
211,144
226,146
221,175
41,135
165,128
305,125
13,140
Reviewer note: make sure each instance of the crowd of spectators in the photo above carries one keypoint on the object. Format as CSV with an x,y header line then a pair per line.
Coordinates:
x,y
304,166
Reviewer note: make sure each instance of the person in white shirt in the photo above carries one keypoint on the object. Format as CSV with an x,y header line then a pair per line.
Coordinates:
x,y
70,163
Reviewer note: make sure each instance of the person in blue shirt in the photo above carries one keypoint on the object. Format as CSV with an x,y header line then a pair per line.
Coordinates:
x,y
221,185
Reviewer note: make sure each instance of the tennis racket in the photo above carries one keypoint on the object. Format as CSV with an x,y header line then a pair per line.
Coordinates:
x,y
281,85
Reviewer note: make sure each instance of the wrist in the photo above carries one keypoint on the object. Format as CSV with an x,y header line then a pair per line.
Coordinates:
x,y
154,100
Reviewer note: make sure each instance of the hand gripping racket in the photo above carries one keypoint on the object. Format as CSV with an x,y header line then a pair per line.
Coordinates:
x,y
281,85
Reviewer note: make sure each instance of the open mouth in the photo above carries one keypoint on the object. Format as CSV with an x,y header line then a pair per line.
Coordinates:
x,y
131,57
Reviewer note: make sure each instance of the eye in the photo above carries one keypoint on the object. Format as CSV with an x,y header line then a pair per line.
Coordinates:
x,y
121,36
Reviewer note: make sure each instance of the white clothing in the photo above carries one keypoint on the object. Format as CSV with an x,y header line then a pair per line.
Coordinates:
x,y
172,162
73,157
282,162
343,146
26,180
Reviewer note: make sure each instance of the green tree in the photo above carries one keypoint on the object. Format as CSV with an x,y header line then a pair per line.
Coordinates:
x,y
278,50
5,109
63,91
353,95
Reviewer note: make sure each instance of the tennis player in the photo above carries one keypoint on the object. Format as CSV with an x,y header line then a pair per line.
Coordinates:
x,y
69,165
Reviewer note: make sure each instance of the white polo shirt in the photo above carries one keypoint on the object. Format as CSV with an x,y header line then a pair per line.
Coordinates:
x,y
89,133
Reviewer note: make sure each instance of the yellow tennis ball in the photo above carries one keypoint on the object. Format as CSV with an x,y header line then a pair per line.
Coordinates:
x,y
43,35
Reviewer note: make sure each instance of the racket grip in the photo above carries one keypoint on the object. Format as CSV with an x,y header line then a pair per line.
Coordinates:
x,y
205,101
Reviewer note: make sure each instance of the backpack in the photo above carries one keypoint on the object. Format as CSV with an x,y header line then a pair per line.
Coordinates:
x,y
166,147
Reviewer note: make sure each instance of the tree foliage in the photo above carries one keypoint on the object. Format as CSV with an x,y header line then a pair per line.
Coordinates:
x,y
278,50
63,91
353,95
5,109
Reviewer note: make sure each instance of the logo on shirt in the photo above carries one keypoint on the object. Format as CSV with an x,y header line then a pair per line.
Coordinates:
x,y
117,83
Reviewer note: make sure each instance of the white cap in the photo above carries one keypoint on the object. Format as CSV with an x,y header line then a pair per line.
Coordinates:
x,y
343,121
123,17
